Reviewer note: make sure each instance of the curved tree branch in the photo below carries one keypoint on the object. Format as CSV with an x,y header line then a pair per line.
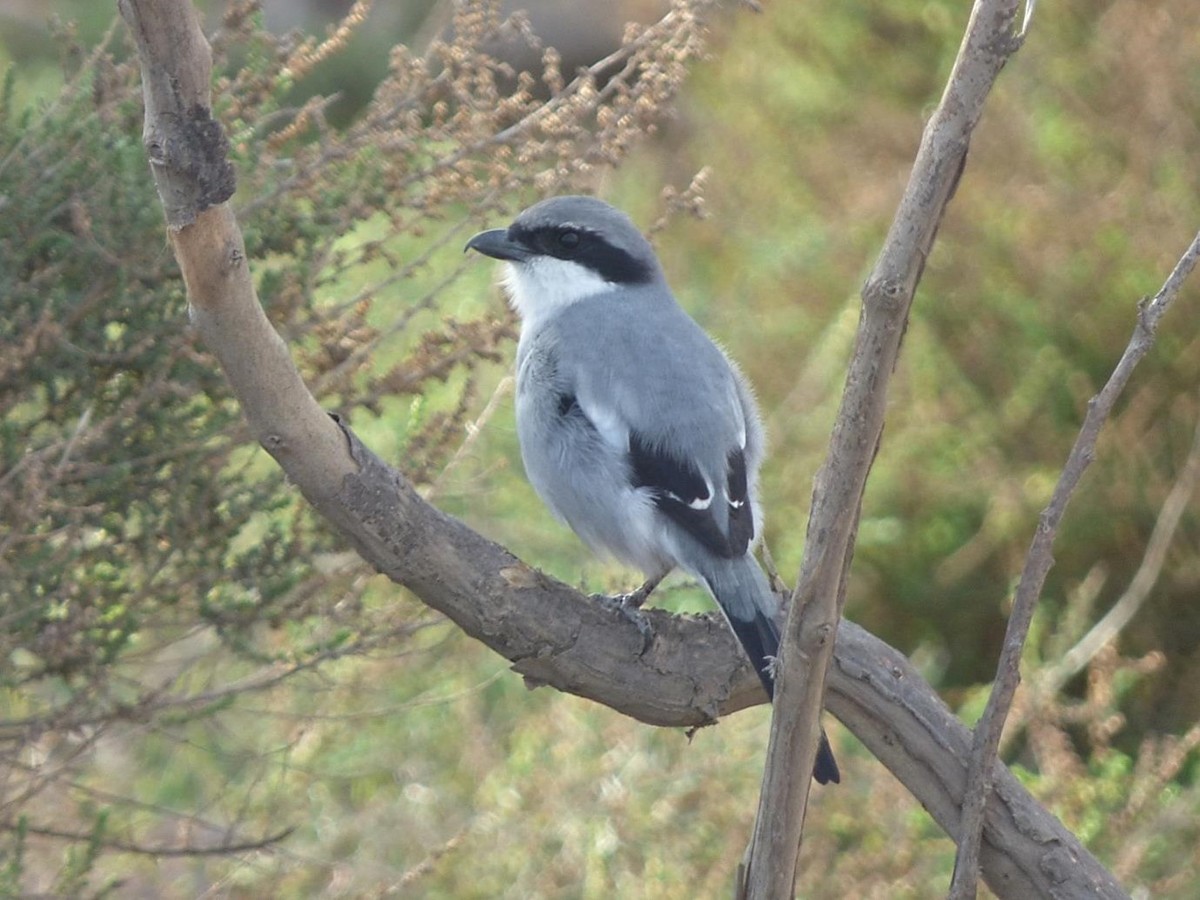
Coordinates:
x,y
692,672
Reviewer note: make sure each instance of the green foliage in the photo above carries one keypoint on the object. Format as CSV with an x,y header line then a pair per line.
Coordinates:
x,y
80,861
12,855
94,498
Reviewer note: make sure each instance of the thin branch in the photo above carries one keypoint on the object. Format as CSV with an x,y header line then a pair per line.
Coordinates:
x,y
162,699
875,691
1122,612
1037,566
156,850
405,883
474,429
807,645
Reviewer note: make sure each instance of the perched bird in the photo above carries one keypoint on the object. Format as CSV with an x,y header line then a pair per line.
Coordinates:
x,y
635,428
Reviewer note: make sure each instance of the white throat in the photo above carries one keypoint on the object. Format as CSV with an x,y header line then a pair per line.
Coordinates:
x,y
541,286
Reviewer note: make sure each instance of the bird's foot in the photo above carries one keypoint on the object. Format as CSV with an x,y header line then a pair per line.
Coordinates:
x,y
629,606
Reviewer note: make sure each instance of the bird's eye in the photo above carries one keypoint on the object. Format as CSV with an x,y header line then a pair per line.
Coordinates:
x,y
568,239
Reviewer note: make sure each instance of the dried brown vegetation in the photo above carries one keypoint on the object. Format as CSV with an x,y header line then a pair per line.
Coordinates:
x,y
139,541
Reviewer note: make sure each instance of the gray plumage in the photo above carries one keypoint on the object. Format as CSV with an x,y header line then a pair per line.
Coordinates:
x,y
635,428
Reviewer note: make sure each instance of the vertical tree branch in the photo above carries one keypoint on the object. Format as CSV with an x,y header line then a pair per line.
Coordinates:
x,y
991,39
186,147
1037,564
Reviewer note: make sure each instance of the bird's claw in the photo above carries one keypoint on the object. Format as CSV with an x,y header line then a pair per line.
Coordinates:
x,y
629,606
634,599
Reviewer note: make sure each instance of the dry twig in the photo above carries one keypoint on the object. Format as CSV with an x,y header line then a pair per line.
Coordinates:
x,y
164,851
1113,622
1037,566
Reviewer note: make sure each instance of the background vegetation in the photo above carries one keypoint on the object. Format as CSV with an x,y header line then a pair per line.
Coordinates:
x,y
189,660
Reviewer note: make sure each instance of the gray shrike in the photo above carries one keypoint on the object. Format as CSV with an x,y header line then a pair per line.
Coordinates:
x,y
635,428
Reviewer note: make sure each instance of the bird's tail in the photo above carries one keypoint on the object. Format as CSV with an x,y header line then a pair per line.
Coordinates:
x,y
742,591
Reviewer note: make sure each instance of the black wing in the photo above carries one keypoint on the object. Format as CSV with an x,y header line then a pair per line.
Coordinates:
x,y
682,493
741,516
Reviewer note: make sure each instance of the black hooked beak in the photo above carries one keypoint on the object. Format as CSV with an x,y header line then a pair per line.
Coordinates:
x,y
498,245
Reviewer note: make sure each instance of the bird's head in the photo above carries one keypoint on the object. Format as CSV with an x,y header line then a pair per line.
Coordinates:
x,y
564,249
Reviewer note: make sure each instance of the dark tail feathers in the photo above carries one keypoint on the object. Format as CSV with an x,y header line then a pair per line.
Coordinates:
x,y
744,595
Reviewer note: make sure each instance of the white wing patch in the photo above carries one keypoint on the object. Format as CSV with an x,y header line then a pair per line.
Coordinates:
x,y
700,503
